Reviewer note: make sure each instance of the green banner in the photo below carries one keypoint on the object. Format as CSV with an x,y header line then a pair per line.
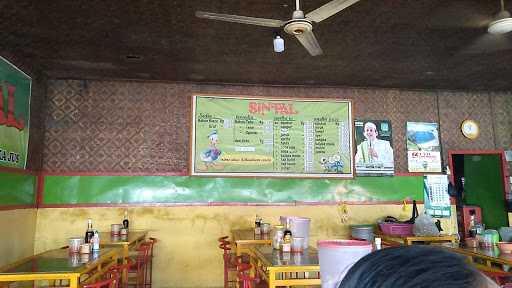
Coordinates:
x,y
183,189
245,136
14,115
17,189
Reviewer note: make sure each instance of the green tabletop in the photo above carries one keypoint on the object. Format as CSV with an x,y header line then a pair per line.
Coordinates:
x,y
56,261
276,258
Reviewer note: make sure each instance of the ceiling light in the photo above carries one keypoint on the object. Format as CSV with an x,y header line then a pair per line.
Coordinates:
x,y
278,44
502,22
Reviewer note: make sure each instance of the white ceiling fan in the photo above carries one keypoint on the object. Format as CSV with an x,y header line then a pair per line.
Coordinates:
x,y
300,26
498,37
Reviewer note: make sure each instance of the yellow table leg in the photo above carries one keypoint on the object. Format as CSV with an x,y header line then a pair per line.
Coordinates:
x,y
125,261
73,282
271,279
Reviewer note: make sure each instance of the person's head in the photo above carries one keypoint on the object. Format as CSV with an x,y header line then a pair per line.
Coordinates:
x,y
370,131
414,266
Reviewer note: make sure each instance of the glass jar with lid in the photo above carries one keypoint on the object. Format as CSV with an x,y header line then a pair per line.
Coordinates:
x,y
277,236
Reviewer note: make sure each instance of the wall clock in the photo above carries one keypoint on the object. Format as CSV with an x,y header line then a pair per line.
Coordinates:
x,y
470,129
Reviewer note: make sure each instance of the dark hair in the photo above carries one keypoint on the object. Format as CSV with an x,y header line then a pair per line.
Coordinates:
x,y
414,266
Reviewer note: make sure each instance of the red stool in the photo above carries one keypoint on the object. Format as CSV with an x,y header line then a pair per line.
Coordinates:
x,y
229,263
111,282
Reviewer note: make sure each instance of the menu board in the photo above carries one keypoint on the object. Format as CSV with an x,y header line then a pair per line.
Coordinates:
x,y
245,136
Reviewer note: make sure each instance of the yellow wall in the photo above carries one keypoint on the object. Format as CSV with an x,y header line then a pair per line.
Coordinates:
x,y
187,254
18,230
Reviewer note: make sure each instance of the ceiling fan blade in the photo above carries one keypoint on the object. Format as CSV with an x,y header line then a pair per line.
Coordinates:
x,y
489,43
329,9
241,19
460,14
308,40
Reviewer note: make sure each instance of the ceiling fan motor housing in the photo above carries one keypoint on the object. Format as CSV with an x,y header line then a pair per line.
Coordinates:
x,y
502,23
297,27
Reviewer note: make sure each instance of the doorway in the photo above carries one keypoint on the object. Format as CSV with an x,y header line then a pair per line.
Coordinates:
x,y
479,178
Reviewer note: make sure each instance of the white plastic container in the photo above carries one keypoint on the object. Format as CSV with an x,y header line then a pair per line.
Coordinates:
x,y
337,256
299,227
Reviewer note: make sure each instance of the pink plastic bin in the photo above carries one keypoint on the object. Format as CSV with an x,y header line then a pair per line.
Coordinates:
x,y
396,229
336,257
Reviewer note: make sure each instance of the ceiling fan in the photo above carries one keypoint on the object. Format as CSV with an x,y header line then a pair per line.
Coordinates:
x,y
498,36
300,25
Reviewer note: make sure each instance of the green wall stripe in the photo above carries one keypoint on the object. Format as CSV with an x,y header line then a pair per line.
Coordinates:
x,y
184,189
17,189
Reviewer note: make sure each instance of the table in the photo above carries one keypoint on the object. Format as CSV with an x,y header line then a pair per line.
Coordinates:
x,y
58,264
245,238
486,259
286,269
131,240
409,240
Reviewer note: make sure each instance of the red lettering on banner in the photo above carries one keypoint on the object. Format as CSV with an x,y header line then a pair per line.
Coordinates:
x,y
10,120
277,108
253,107
3,119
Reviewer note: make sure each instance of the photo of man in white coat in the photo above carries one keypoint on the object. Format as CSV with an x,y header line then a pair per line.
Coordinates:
x,y
373,153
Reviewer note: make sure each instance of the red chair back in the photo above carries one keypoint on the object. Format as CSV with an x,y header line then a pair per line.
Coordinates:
x,y
149,272
112,282
227,256
243,275
119,269
223,239
141,263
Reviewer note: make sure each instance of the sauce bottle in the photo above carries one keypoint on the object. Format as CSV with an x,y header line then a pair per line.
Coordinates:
x,y
126,223
257,225
89,233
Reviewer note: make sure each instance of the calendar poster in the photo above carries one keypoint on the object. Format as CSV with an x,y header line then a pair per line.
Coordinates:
x,y
423,148
437,200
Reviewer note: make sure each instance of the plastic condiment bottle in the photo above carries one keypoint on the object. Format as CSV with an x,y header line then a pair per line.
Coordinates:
x,y
277,239
287,241
378,243
96,241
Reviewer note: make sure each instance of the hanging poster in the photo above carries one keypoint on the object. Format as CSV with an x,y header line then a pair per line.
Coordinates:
x,y
14,115
250,136
374,152
423,150
436,198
